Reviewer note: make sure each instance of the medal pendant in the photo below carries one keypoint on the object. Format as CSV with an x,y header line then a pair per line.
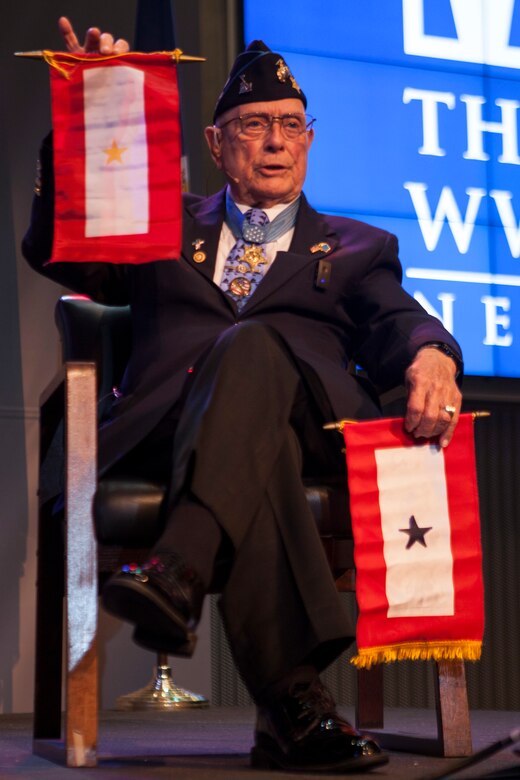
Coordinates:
x,y
240,287
254,256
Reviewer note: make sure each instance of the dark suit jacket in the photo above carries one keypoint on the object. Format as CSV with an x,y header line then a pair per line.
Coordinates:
x,y
178,312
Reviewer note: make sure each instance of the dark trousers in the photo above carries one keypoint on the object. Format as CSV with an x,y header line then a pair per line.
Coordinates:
x,y
249,424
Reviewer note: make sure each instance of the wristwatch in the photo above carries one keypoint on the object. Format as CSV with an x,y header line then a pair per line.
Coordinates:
x,y
447,351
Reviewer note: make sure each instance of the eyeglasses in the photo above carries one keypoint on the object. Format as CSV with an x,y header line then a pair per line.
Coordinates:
x,y
258,125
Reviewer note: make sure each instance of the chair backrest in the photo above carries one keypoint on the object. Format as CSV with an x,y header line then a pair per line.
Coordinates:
x,y
91,331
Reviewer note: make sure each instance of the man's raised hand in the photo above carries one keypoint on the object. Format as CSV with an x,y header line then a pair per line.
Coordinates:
x,y
95,40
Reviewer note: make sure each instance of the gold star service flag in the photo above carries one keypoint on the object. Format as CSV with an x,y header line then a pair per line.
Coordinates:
x,y
116,157
415,522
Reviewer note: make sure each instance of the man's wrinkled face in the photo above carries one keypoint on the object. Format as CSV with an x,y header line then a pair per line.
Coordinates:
x,y
261,171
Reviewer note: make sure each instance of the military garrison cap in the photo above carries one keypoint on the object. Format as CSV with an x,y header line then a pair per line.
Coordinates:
x,y
258,74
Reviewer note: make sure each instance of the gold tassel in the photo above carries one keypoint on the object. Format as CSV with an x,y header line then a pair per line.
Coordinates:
x,y
52,61
469,650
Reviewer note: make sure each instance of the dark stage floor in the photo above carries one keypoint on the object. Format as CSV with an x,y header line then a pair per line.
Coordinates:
x,y
214,743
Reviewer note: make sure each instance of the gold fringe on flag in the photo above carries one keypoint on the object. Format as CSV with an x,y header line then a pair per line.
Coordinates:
x,y
469,650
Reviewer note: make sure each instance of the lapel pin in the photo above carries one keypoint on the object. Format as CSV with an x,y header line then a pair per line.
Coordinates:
x,y
198,256
321,247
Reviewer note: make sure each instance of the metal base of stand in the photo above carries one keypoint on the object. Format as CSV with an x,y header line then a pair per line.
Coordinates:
x,y
161,693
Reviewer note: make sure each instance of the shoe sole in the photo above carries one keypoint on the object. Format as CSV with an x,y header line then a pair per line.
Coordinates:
x,y
260,759
158,625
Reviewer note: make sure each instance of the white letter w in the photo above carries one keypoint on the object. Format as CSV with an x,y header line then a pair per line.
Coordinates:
x,y
447,209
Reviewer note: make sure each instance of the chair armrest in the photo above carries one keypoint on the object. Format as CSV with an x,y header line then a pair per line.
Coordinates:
x,y
80,440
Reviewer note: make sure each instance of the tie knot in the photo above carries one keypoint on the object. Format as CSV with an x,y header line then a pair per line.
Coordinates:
x,y
254,228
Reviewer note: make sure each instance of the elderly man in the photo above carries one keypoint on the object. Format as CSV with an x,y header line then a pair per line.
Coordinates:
x,y
240,355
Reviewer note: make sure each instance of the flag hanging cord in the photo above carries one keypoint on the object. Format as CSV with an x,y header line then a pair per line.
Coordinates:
x,y
65,62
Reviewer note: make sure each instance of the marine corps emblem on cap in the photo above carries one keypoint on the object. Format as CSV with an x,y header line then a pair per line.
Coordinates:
x,y
283,73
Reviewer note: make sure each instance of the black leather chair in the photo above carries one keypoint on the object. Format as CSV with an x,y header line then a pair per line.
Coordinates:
x,y
104,525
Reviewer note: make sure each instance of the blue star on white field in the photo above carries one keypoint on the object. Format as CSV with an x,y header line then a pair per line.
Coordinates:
x,y
415,533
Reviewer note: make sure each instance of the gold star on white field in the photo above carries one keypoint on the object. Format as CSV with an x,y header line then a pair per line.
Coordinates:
x,y
114,154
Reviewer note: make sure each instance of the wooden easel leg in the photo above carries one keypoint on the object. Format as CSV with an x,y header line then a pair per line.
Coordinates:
x,y
82,711
451,701
81,569
369,702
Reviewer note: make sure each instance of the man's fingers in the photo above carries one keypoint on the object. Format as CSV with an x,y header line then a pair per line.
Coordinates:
x,y
446,437
106,43
69,36
432,420
121,46
429,426
95,40
71,39
426,421
92,39
413,415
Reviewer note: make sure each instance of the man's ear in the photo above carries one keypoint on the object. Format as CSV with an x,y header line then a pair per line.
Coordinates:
x,y
213,139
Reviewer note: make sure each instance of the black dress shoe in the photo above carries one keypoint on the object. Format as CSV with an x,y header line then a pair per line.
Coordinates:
x,y
162,598
300,731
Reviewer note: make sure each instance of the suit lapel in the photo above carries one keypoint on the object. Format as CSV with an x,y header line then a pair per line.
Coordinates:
x,y
201,233
313,239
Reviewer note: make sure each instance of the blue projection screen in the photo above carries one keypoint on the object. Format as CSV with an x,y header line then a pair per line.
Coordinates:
x,y
417,132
